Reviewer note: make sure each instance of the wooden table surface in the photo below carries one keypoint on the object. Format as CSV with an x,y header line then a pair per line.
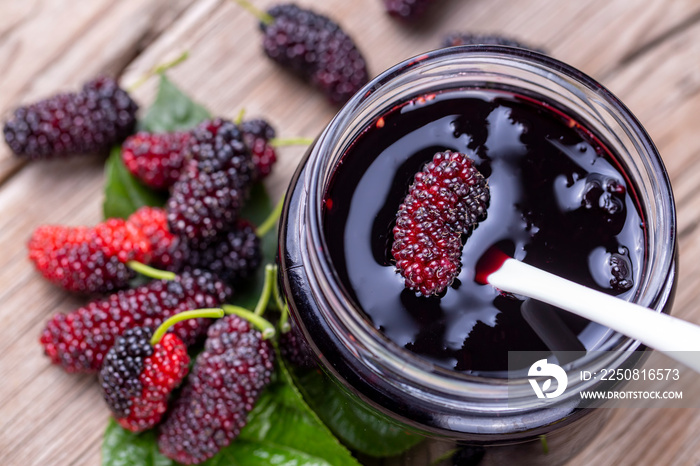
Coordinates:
x,y
646,51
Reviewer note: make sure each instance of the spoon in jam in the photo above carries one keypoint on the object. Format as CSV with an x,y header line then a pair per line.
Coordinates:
x,y
679,339
447,199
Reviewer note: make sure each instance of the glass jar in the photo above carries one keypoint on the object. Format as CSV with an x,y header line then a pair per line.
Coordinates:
x,y
410,391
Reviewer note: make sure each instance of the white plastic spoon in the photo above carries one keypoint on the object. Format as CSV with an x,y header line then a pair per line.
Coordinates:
x,y
679,339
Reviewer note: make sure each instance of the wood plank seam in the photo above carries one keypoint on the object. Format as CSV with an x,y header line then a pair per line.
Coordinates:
x,y
647,47
72,41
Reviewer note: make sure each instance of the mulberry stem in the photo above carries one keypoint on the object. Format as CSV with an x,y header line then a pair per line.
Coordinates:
x,y
257,12
239,117
179,317
150,272
256,318
267,289
158,69
262,324
282,307
282,142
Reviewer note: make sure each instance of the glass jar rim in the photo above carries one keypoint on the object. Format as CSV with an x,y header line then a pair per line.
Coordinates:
x,y
347,320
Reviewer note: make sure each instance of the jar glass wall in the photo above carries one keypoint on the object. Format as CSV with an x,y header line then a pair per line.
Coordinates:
x,y
410,390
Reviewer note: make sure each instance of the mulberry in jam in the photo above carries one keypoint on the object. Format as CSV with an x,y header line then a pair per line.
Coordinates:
x,y
559,201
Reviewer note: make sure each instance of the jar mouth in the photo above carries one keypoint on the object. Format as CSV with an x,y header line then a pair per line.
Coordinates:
x,y
465,66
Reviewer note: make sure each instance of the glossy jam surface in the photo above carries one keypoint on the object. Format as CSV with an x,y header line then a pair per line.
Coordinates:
x,y
559,201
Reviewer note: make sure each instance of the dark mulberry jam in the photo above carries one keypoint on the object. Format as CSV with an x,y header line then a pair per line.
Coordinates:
x,y
559,201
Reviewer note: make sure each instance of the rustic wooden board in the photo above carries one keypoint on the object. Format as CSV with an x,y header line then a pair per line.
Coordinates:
x,y
646,52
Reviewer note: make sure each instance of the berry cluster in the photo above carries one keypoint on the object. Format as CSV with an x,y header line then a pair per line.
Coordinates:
x,y
199,229
158,159
446,200
200,236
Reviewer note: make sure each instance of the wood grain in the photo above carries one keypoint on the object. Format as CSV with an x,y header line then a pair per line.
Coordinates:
x,y
646,52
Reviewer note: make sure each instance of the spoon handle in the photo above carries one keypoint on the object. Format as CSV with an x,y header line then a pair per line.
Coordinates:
x,y
654,329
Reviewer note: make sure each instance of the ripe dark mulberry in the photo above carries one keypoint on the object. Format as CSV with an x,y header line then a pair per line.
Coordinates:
x,y
218,145
79,340
408,10
137,378
92,120
447,199
224,385
232,256
207,198
88,259
257,135
317,48
156,158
